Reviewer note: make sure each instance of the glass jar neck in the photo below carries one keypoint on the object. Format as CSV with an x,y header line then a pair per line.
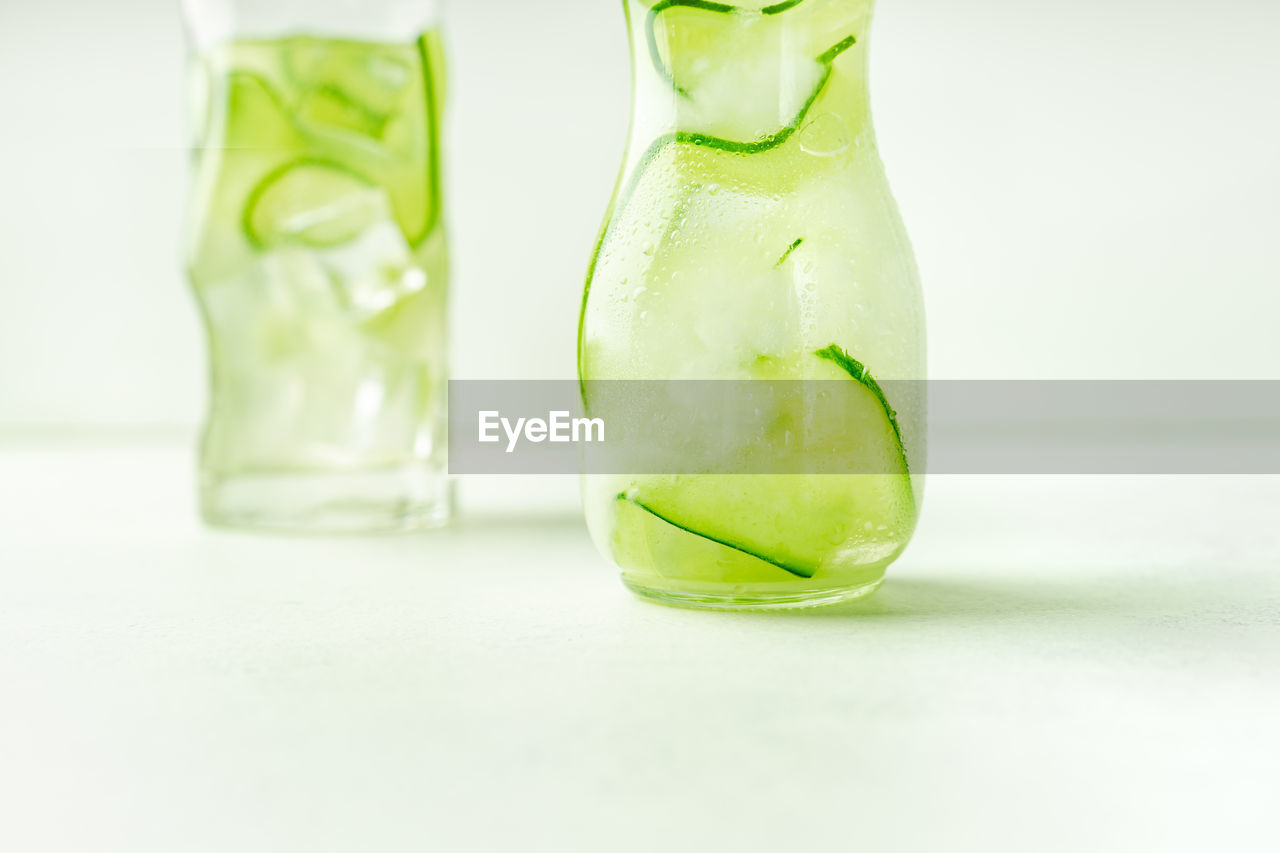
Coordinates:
x,y
750,77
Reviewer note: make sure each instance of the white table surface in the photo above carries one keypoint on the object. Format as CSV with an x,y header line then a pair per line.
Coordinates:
x,y
1057,664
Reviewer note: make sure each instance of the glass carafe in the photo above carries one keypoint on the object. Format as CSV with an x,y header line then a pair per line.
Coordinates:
x,y
753,237
317,253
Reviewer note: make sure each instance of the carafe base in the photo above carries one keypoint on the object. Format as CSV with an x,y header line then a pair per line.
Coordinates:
x,y
755,600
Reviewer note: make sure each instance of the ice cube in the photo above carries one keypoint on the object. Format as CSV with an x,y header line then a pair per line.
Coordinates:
x,y
374,271
351,87
276,309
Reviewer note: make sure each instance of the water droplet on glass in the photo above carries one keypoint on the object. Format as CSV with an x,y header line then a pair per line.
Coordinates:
x,y
825,136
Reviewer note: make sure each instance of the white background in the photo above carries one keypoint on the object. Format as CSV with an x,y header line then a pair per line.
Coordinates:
x,y
1093,188
1057,664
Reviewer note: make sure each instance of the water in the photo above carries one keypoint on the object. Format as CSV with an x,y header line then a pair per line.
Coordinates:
x,y
318,256
759,224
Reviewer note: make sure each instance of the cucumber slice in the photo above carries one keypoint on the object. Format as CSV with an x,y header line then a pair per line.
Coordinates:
x,y
645,542
312,202
799,523
375,109
714,54
250,134
410,144
255,116
786,256
370,109
859,373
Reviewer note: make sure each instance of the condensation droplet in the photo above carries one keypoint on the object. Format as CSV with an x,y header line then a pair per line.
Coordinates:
x,y
825,136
